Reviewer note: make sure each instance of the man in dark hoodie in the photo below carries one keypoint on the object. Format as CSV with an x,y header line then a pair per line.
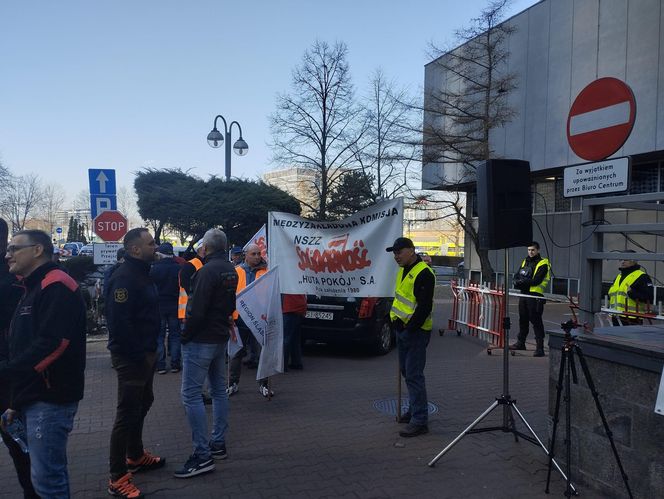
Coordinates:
x,y
164,273
46,361
631,291
10,294
206,331
132,312
532,279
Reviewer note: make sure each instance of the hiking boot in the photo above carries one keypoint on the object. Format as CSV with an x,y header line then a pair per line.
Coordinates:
x,y
146,462
265,391
404,418
413,430
124,487
194,466
218,451
518,345
232,389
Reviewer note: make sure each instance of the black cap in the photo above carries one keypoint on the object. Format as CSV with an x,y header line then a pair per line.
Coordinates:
x,y
401,243
236,250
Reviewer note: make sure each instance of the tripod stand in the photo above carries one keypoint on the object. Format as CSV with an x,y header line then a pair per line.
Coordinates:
x,y
568,371
506,401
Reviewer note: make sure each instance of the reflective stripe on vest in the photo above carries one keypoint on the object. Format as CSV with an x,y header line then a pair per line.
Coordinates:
x,y
618,297
183,297
404,303
541,287
242,283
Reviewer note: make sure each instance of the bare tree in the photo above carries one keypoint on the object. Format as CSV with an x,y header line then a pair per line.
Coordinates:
x,y
127,205
22,197
469,102
387,152
315,126
52,200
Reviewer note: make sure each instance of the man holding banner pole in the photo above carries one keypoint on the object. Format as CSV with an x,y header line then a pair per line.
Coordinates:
x,y
411,317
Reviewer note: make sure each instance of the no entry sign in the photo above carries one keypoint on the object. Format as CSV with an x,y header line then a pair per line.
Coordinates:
x,y
110,225
601,119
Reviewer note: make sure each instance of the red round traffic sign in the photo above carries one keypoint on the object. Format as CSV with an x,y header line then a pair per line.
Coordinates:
x,y
601,118
110,225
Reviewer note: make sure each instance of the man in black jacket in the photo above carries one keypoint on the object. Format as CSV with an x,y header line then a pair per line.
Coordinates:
x,y
46,359
10,294
532,279
132,313
206,331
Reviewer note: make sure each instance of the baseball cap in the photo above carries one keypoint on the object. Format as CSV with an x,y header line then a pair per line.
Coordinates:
x,y
400,243
236,250
165,249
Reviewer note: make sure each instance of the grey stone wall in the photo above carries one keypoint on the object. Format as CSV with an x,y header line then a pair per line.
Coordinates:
x,y
627,395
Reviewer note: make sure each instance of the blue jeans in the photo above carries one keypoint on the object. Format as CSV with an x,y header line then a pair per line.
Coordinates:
x,y
292,339
173,323
47,428
412,359
201,360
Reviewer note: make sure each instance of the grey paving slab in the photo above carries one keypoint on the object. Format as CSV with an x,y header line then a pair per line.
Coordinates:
x,y
321,437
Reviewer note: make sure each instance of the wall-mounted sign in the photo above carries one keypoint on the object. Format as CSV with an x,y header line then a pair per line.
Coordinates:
x,y
588,179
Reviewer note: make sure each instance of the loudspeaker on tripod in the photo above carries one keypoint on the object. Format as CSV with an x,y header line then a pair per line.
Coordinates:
x,y
504,203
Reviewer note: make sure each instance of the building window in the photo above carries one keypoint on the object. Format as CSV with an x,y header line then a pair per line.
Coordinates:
x,y
645,178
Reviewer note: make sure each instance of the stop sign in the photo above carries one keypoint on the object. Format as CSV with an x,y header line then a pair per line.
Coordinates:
x,y
601,118
110,225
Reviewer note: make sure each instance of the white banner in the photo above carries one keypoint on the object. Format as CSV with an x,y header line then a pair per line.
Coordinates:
x,y
234,342
259,305
260,240
343,258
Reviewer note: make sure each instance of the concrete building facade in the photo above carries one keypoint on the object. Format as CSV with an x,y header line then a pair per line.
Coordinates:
x,y
556,49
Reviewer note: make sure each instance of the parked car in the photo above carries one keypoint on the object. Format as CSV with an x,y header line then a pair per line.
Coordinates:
x,y
356,320
87,250
71,249
444,275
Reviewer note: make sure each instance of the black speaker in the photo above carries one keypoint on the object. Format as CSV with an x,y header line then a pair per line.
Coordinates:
x,y
504,203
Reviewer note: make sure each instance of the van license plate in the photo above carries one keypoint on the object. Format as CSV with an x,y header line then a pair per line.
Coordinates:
x,y
314,314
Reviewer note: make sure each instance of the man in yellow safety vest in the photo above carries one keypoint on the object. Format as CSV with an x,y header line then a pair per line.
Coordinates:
x,y
532,279
630,291
411,317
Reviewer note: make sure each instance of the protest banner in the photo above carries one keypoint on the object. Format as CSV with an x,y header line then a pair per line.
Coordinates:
x,y
259,305
341,258
260,240
234,342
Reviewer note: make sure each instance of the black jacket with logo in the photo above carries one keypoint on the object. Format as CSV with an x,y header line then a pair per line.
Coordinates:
x,y
132,310
211,302
47,340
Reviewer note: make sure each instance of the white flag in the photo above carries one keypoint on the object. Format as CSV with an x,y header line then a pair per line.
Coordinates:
x,y
260,240
259,305
234,342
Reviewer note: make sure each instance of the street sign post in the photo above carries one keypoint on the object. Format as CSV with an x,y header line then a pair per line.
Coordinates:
x,y
110,225
102,191
601,119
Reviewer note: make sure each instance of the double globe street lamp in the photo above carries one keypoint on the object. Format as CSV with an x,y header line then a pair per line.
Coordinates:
x,y
215,139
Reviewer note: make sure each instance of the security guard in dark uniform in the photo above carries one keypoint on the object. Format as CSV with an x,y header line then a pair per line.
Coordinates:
x,y
631,291
531,279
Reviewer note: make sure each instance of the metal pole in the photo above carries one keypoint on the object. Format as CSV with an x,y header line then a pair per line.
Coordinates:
x,y
227,146
506,348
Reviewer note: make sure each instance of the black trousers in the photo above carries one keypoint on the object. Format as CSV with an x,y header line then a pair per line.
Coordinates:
x,y
20,458
530,312
135,397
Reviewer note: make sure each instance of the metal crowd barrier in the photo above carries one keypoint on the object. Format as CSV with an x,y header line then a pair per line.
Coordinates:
x,y
478,310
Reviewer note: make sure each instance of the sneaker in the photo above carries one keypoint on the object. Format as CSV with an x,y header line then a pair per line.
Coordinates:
x,y
265,391
194,466
146,462
518,345
124,487
175,370
162,371
413,430
218,451
232,389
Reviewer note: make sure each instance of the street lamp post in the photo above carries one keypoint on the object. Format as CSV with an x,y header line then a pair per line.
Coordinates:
x,y
215,139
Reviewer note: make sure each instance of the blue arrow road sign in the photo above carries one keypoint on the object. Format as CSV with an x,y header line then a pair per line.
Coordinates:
x,y
102,182
102,191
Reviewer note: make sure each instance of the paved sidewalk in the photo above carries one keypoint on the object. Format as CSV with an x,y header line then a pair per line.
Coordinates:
x,y
321,437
